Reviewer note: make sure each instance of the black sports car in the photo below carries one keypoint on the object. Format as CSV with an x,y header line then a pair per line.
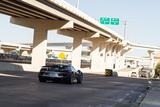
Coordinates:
x,y
60,72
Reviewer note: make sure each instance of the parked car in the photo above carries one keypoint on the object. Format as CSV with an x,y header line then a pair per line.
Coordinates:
x,y
145,72
60,72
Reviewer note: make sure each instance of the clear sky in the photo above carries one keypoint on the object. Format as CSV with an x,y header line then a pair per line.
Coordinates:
x,y
142,18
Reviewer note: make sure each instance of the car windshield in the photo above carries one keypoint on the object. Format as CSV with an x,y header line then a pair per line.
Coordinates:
x,y
60,68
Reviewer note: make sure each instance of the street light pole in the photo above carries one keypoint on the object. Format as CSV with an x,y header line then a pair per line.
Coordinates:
x,y
77,5
125,26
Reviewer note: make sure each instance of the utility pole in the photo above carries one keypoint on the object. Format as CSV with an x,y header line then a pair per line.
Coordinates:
x,y
77,5
125,26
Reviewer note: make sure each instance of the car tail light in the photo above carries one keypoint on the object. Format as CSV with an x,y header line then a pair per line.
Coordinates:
x,y
44,70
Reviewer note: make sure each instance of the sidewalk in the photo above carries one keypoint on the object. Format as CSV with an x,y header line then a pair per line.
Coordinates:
x,y
152,99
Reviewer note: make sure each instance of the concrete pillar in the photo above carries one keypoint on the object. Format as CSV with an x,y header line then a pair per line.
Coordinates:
x,y
109,62
95,56
39,48
151,56
123,53
152,62
40,27
77,46
77,50
103,54
18,50
110,55
24,53
1,51
29,52
122,61
119,58
108,59
114,59
21,52
119,61
98,55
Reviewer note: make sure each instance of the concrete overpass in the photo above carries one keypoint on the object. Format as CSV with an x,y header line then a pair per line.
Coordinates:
x,y
44,15
7,47
152,50
142,46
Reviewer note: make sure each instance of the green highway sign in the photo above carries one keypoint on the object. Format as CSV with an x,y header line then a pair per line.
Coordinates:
x,y
104,20
109,21
114,21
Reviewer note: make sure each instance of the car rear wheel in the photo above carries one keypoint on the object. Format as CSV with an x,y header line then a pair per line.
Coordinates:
x,y
42,80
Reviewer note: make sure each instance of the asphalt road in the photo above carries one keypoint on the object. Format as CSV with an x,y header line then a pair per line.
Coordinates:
x,y
22,89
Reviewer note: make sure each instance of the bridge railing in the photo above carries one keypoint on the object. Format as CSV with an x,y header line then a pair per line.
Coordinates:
x,y
11,58
14,58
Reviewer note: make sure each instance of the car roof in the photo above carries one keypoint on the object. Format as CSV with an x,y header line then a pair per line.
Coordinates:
x,y
57,65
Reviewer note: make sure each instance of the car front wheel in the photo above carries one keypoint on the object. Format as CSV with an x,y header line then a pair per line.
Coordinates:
x,y
79,79
70,79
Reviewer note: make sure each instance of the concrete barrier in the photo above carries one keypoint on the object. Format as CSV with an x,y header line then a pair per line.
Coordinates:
x,y
5,66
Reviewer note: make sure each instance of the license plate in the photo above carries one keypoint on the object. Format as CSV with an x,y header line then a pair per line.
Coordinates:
x,y
53,74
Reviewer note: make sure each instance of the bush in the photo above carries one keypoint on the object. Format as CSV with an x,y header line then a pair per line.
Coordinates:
x,y
157,70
